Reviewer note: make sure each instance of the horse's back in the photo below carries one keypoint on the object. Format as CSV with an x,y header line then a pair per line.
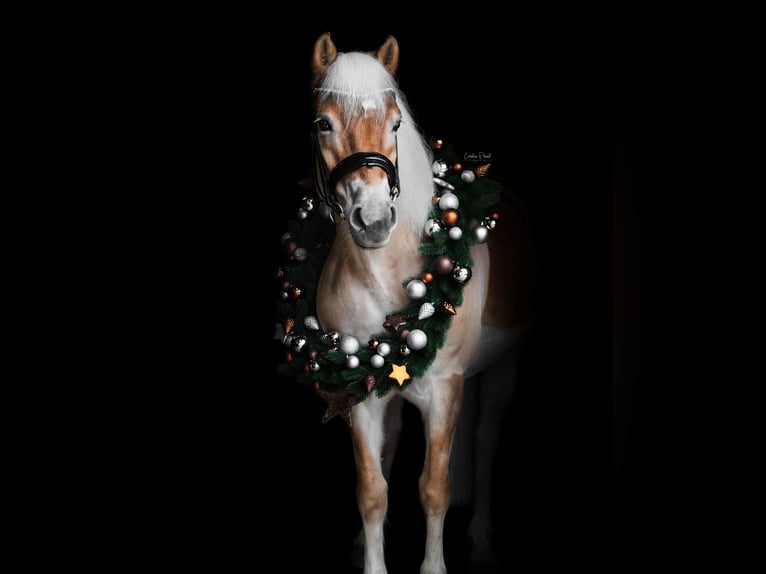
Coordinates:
x,y
508,306
509,298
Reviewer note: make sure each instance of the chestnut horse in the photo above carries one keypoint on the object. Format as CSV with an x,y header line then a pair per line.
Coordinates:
x,y
378,181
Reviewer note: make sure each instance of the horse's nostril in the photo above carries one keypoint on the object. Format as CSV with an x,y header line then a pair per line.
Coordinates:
x,y
393,216
356,219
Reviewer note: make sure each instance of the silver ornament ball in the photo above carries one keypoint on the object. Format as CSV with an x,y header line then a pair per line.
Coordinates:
x,y
416,289
349,344
417,339
461,273
455,233
432,226
480,233
449,201
300,253
439,168
331,338
298,343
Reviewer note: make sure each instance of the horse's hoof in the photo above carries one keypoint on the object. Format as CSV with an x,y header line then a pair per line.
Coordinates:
x,y
482,560
483,568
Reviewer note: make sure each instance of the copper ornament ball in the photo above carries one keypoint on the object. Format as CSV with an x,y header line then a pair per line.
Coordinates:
x,y
449,217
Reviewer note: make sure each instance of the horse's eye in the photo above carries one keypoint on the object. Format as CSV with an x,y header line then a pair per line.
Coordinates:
x,y
397,125
323,125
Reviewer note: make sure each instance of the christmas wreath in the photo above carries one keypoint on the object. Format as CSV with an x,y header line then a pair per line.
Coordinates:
x,y
343,370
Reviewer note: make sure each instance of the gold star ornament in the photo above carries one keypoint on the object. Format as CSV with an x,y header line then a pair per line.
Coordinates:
x,y
399,373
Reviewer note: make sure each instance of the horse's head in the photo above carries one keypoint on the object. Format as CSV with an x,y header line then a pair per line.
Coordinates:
x,y
355,134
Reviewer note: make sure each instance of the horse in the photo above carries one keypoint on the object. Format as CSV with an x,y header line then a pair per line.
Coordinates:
x,y
403,238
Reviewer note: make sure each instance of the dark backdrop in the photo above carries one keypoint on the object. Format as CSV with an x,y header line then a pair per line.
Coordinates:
x,y
250,469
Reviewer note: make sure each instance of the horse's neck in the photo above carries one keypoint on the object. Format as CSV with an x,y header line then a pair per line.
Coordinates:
x,y
358,287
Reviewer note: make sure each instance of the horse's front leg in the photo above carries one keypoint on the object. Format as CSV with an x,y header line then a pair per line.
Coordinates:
x,y
372,488
440,417
392,428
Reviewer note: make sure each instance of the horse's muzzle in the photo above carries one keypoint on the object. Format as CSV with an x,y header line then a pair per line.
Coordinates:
x,y
372,228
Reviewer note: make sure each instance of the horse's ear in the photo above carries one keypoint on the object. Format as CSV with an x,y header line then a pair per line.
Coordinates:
x,y
388,54
325,53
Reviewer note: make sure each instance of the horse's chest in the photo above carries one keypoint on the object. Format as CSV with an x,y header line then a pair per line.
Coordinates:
x,y
356,310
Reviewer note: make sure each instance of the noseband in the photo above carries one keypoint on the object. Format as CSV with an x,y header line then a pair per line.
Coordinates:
x,y
326,182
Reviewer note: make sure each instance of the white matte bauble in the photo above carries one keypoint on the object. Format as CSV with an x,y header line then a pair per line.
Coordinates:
x,y
480,233
449,201
468,176
455,233
417,339
416,289
349,344
352,361
383,349
376,361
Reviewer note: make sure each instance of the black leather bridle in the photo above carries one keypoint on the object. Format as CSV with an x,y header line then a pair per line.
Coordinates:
x,y
326,181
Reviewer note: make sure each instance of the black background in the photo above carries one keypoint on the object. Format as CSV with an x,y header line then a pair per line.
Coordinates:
x,y
243,469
